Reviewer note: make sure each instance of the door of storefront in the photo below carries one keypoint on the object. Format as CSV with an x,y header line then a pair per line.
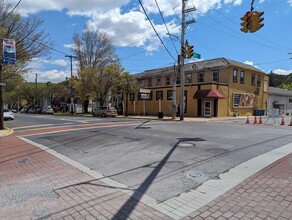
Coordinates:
x,y
207,108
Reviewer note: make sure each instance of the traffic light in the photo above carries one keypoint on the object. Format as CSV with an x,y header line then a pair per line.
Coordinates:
x,y
247,22
256,21
183,51
190,51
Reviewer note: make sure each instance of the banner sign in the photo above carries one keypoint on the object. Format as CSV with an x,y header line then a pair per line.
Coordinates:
x,y
9,51
243,100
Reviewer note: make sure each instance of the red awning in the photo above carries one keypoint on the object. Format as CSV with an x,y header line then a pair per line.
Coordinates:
x,y
208,93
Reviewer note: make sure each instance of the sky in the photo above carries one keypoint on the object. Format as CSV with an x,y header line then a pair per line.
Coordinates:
x,y
216,32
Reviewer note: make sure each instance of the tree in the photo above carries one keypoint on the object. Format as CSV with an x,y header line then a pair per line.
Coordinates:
x,y
99,66
85,85
107,80
31,42
128,85
93,49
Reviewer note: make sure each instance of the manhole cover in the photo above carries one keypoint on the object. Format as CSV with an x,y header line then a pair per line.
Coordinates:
x,y
23,160
194,174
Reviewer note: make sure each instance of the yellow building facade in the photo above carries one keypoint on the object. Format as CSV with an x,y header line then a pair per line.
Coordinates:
x,y
212,88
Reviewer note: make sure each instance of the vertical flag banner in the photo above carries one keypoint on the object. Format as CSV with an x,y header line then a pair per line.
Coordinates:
x,y
9,51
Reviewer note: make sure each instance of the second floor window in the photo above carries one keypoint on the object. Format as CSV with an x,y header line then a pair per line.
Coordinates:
x,y
143,82
188,78
167,80
252,79
215,76
234,75
259,79
149,82
242,77
158,81
178,79
201,76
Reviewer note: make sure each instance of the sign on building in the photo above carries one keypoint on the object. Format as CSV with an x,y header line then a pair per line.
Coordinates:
x,y
243,100
9,51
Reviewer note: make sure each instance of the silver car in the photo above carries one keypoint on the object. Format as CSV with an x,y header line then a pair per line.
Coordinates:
x,y
104,112
8,115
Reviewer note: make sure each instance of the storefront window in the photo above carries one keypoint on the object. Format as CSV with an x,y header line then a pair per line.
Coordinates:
x,y
159,95
169,94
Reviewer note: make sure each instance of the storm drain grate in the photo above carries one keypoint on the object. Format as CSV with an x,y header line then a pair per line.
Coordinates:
x,y
23,160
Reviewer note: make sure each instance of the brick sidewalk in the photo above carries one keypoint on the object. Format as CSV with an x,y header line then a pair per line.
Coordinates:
x,y
36,185
265,195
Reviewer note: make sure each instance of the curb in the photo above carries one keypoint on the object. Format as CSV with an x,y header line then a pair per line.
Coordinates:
x,y
6,132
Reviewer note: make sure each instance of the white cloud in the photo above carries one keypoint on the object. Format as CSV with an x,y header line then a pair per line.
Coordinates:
x,y
124,30
54,76
129,27
290,2
282,72
37,62
249,63
74,7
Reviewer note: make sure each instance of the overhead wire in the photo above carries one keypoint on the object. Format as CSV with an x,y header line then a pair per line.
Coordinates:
x,y
156,31
3,19
166,27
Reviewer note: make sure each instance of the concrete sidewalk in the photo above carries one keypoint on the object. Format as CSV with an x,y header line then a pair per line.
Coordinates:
x,y
39,183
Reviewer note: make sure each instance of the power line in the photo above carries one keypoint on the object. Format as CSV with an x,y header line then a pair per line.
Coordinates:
x,y
155,30
166,26
11,11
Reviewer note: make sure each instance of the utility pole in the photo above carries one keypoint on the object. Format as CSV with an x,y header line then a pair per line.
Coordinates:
x,y
1,98
181,61
182,58
71,87
36,89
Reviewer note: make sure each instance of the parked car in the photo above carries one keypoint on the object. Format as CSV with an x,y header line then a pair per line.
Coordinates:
x,y
48,111
23,110
14,110
104,112
8,115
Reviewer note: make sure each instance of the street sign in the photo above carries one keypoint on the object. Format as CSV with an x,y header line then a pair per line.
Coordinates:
x,y
196,55
145,91
9,51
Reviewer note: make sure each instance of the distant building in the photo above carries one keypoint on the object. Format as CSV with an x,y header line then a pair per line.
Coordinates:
x,y
212,88
280,99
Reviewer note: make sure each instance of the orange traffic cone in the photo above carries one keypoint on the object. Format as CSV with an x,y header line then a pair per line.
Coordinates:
x,y
282,121
255,120
290,121
260,121
247,120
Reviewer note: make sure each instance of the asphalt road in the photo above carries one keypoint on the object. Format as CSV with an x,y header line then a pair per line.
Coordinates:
x,y
160,158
